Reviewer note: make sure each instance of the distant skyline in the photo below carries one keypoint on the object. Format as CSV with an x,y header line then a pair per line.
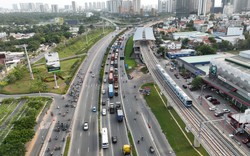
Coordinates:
x,y
61,3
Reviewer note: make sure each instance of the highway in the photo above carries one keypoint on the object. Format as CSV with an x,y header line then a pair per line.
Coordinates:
x,y
86,142
212,140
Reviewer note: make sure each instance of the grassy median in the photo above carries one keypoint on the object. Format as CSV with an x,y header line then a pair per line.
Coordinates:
x,y
173,133
128,53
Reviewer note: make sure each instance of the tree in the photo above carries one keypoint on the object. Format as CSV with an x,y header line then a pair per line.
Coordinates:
x,y
161,50
185,41
197,82
33,45
205,49
81,29
212,39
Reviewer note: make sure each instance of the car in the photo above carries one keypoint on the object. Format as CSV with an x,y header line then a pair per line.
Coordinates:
x,y
85,126
184,86
114,139
94,109
103,102
106,72
248,145
103,91
104,80
215,102
246,140
104,111
212,108
218,114
151,149
226,110
58,107
207,96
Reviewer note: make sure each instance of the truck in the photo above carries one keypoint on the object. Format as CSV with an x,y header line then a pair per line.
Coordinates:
x,y
111,108
111,91
111,78
116,85
119,115
126,150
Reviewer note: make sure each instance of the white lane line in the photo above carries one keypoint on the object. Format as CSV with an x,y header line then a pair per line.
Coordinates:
x,y
80,134
89,133
88,149
78,151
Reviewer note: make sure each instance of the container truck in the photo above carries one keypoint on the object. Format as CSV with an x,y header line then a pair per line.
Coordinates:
x,y
111,90
119,115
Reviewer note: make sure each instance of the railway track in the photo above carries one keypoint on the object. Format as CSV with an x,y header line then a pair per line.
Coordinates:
x,y
211,139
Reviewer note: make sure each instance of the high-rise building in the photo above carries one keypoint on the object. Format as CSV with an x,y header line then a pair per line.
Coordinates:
x,y
241,5
90,6
54,8
103,5
193,6
182,8
38,7
86,6
202,7
94,5
74,8
24,7
165,5
138,5
15,7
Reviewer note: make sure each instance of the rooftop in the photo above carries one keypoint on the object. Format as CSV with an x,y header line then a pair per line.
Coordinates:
x,y
144,33
203,58
242,117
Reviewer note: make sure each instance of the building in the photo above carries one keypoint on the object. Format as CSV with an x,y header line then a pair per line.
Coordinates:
x,y
142,34
231,76
15,7
190,35
74,7
180,53
54,8
241,121
228,9
165,6
182,8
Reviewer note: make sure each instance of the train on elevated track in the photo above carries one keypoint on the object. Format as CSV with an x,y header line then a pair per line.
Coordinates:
x,y
183,97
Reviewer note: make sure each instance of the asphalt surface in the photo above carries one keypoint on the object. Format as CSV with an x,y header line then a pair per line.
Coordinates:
x,y
86,142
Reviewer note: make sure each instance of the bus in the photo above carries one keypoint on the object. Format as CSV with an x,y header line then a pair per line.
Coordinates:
x,y
105,140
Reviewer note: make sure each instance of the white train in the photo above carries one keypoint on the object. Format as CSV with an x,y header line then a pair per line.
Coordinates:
x,y
176,89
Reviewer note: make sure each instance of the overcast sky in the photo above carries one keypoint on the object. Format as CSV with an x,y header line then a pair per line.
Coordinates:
x,y
61,3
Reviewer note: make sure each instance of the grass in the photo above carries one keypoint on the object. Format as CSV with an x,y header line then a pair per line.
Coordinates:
x,y
144,70
132,144
66,150
75,46
172,132
128,52
6,110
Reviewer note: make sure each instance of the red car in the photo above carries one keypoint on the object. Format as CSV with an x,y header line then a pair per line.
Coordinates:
x,y
246,140
216,102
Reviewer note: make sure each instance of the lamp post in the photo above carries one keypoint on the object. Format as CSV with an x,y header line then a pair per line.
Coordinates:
x,y
202,87
28,60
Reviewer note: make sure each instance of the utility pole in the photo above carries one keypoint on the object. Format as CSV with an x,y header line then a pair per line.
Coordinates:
x,y
102,27
28,60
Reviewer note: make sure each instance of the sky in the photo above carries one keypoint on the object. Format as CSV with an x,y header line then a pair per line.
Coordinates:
x,y
61,3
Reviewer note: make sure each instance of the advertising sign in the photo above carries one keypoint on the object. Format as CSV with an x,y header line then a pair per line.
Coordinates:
x,y
52,62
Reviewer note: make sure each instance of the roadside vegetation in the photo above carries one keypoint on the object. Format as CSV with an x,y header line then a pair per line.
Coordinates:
x,y
131,64
18,128
173,133
18,81
66,150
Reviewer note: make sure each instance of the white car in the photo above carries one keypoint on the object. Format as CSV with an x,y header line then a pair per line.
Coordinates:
x,y
85,126
226,110
213,108
103,91
104,111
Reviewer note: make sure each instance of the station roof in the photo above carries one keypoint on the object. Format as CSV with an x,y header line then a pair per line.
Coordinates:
x,y
144,33
203,58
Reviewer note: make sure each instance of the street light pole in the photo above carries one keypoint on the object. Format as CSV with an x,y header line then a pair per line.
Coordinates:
x,y
28,60
202,87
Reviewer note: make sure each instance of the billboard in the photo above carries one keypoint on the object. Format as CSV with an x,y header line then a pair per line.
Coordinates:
x,y
52,62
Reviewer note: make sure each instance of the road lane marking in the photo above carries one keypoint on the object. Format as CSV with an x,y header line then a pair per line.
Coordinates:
x,y
78,151
88,149
89,133
80,134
